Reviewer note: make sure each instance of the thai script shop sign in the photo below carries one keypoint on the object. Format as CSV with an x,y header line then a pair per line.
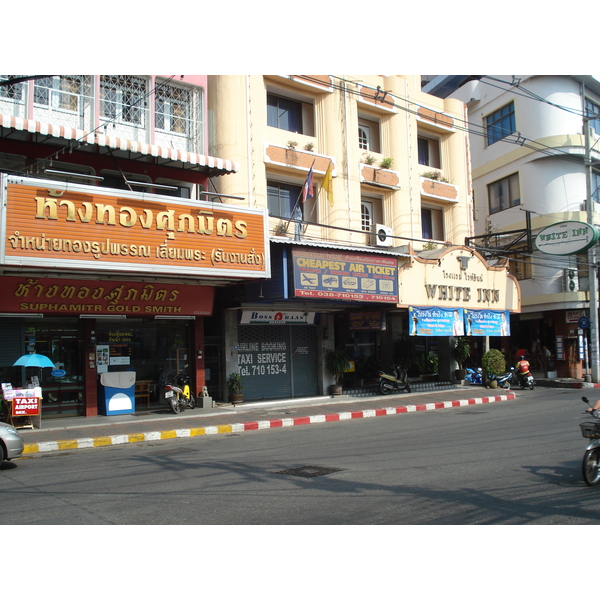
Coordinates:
x,y
342,275
46,223
458,277
566,237
434,321
70,296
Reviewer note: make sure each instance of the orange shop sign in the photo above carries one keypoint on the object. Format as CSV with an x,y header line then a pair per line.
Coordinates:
x,y
47,223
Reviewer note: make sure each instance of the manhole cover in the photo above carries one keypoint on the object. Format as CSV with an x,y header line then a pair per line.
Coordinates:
x,y
308,471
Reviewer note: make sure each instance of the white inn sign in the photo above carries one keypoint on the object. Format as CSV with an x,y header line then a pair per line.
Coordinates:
x,y
566,237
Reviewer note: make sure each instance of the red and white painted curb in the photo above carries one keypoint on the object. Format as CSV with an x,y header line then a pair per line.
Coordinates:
x,y
113,440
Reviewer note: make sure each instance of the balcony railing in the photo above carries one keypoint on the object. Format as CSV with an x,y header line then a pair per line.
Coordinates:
x,y
120,106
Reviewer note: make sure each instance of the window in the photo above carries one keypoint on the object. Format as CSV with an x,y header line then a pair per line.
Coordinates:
x,y
519,263
429,152
123,99
592,109
117,180
504,193
426,224
368,135
11,92
284,113
432,224
282,198
595,186
173,106
366,215
60,92
364,135
500,124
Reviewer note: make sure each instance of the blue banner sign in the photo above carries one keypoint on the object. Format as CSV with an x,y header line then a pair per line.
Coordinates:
x,y
457,321
487,322
436,321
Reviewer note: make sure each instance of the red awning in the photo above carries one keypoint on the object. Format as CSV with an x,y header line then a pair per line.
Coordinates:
x,y
217,165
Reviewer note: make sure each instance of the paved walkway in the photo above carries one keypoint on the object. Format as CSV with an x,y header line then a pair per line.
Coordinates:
x,y
79,432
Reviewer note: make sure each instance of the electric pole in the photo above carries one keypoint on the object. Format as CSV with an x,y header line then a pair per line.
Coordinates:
x,y
593,276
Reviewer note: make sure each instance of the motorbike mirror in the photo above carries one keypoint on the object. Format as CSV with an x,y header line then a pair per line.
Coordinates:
x,y
585,399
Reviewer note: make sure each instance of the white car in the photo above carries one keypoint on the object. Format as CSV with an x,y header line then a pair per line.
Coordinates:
x,y
11,442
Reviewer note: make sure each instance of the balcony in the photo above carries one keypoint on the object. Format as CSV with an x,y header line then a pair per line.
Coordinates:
x,y
438,189
379,177
119,107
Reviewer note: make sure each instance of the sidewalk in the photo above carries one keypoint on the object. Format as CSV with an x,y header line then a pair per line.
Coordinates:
x,y
160,424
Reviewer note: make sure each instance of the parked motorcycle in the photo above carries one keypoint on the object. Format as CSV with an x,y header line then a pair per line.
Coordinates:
x,y
474,376
179,395
397,382
590,466
503,381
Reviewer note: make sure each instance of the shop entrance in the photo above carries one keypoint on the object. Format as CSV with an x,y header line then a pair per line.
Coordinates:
x,y
61,340
157,352
278,361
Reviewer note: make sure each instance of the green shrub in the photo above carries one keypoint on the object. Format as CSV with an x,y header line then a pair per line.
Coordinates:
x,y
493,363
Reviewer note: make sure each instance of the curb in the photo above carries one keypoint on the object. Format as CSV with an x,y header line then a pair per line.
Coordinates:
x,y
568,384
115,440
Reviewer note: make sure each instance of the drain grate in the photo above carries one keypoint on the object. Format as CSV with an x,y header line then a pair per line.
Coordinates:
x,y
308,471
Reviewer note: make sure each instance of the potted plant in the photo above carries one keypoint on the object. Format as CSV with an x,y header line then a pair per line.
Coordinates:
x,y
336,363
235,387
492,363
386,163
461,351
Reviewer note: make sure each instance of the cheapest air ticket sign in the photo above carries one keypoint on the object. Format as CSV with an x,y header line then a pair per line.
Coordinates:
x,y
342,275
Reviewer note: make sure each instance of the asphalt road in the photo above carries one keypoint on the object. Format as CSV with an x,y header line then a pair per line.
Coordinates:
x,y
516,462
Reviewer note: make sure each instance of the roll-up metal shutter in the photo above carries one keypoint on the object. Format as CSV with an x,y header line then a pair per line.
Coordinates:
x,y
277,361
304,360
13,341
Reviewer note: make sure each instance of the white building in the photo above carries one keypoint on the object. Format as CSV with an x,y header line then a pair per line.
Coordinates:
x,y
528,147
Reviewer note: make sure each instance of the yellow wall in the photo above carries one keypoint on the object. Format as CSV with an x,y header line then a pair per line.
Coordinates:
x,y
238,127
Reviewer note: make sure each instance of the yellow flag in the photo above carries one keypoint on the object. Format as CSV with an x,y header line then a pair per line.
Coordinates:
x,y
327,184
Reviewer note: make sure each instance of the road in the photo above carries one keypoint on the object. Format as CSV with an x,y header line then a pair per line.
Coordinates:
x,y
516,462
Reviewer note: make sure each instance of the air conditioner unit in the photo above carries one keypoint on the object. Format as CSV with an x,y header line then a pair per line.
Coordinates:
x,y
570,280
383,235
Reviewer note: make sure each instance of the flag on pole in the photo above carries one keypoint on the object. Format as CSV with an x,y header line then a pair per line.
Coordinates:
x,y
307,190
327,184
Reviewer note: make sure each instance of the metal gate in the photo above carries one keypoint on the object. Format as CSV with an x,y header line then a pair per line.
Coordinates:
x,y
278,361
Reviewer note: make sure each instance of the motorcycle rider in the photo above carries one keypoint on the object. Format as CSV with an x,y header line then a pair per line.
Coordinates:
x,y
522,368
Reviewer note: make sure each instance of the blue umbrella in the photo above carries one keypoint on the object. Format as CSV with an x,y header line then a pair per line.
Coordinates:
x,y
34,360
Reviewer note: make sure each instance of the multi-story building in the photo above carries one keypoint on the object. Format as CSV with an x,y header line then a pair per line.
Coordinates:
x,y
113,245
529,161
367,184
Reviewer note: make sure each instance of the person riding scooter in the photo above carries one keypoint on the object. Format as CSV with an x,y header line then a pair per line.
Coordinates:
x,y
522,370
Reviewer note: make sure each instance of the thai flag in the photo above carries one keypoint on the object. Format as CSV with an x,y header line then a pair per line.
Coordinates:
x,y
307,190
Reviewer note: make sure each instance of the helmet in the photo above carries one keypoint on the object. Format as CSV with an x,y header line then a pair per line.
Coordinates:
x,y
521,358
